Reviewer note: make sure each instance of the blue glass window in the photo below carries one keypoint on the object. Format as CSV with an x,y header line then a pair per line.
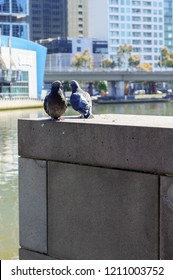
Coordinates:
x,y
4,6
20,31
19,6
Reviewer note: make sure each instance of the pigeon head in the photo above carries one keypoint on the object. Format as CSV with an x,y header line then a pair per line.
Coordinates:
x,y
74,85
56,84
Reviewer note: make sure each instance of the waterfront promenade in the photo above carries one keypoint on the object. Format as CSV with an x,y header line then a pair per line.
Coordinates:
x,y
11,104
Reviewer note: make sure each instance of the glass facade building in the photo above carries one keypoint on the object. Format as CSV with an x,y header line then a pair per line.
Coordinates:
x,y
21,68
48,19
13,18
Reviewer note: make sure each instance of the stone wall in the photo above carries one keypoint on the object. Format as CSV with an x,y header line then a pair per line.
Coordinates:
x,y
96,189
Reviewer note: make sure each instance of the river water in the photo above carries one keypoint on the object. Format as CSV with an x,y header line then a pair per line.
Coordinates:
x,y
9,224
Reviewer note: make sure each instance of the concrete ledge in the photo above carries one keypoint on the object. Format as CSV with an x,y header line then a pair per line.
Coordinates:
x,y
31,255
128,142
98,213
33,204
166,218
96,189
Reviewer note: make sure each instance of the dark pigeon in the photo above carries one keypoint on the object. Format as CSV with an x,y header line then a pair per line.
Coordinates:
x,y
55,103
80,100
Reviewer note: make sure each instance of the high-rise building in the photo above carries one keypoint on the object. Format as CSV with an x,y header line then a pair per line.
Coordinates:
x,y
58,18
78,18
48,19
139,23
13,18
168,24
147,25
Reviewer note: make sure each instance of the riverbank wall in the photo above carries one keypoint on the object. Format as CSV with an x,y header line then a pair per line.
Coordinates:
x,y
98,189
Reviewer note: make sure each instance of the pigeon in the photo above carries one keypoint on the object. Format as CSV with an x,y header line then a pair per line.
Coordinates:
x,y
55,103
80,100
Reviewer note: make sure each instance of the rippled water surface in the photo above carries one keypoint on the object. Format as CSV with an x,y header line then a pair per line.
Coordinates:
x,y
9,225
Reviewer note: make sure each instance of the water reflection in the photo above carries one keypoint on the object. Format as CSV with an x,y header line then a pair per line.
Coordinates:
x,y
9,241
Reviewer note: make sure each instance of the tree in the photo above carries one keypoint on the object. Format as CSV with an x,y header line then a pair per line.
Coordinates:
x,y
145,67
134,60
165,58
108,63
124,53
169,62
83,60
101,86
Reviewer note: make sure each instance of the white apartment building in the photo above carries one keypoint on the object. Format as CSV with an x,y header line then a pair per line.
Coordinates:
x,y
139,23
98,19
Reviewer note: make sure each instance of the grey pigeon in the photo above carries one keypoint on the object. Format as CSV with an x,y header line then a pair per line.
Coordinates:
x,y
55,103
80,100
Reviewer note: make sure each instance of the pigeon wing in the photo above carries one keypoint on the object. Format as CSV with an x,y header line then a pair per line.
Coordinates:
x,y
45,105
83,106
78,102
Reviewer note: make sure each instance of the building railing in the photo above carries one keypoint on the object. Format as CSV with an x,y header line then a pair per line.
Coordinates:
x,y
102,69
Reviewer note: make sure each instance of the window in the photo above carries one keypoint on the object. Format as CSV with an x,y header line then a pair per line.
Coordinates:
x,y
146,11
137,49
5,7
19,6
136,10
136,42
147,27
113,2
136,34
147,34
147,49
136,3
114,33
136,18
136,26
147,57
5,29
147,3
147,42
113,17
113,10
114,25
147,19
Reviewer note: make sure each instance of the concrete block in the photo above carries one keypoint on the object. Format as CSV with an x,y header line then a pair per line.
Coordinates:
x,y
33,204
31,255
139,143
100,213
166,218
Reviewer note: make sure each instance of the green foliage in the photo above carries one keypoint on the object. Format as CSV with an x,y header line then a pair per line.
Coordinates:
x,y
66,86
125,49
108,63
165,58
123,54
101,86
169,62
83,60
134,60
144,67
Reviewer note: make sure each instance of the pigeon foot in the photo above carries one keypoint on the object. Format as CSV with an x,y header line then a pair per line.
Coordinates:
x,y
91,116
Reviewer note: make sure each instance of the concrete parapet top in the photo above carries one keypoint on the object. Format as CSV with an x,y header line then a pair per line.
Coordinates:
x,y
132,142
117,119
